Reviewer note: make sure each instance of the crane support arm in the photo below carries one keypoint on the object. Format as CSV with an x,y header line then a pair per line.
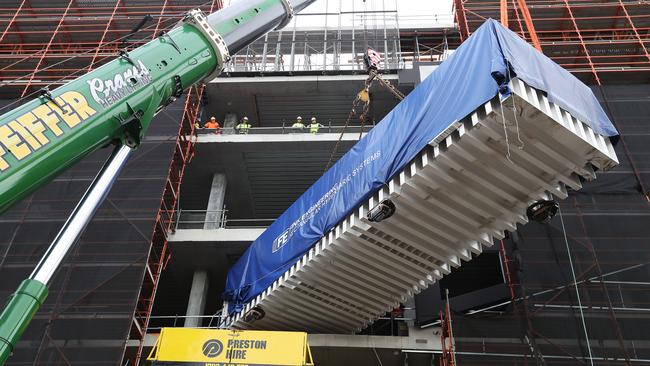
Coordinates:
x,y
113,104
20,310
45,136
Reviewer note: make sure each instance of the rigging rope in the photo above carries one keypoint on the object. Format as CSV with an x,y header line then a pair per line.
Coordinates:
x,y
575,283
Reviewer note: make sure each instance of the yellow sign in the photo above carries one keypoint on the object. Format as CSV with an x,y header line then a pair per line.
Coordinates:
x,y
220,347
27,133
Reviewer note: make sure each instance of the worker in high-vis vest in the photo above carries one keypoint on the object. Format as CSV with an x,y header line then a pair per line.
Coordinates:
x,y
314,126
298,126
213,124
243,127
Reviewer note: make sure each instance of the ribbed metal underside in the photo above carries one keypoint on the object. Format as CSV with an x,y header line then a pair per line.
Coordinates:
x,y
458,195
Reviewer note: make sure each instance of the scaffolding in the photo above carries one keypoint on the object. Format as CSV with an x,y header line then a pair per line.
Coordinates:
x,y
341,50
45,43
51,43
159,252
335,39
447,357
594,39
577,285
115,267
329,48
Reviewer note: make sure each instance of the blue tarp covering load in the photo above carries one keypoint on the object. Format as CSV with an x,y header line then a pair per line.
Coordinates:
x,y
474,74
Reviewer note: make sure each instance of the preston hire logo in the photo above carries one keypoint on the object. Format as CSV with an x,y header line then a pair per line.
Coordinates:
x,y
212,348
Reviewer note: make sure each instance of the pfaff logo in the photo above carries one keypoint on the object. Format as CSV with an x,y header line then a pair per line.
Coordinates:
x,y
108,92
212,348
280,241
34,130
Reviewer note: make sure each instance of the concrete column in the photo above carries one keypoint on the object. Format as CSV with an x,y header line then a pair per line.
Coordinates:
x,y
196,302
410,313
230,120
215,202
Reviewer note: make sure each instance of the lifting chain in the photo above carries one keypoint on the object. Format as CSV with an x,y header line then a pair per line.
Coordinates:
x,y
375,75
355,104
363,97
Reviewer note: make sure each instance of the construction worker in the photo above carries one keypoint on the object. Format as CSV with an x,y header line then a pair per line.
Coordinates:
x,y
243,127
298,126
314,126
213,125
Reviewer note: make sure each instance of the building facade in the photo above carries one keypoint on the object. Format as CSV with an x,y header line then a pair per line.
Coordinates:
x,y
192,199
577,292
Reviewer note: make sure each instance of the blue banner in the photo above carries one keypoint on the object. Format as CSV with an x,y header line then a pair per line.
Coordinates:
x,y
474,74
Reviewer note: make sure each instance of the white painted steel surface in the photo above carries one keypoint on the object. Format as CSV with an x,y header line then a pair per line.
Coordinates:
x,y
81,216
458,195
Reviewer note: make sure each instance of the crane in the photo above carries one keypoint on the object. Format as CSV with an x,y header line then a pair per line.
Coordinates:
x,y
427,188
112,105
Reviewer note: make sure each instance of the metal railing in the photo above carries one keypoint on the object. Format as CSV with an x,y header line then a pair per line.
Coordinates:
x,y
217,321
159,322
336,44
285,129
215,219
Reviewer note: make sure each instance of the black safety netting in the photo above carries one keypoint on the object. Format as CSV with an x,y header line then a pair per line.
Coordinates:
x,y
87,316
607,227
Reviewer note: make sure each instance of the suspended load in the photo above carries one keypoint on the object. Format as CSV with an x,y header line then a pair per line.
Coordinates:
x,y
496,128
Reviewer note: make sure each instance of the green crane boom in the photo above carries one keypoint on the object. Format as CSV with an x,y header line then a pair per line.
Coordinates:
x,y
113,104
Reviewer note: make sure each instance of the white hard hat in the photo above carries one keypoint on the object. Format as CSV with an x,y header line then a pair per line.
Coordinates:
x,y
299,117
313,118
245,118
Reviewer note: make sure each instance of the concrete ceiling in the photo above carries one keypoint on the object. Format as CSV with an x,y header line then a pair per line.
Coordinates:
x,y
265,173
174,286
263,178
271,100
255,189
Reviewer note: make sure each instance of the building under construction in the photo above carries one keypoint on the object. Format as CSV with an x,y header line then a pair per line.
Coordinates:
x,y
191,200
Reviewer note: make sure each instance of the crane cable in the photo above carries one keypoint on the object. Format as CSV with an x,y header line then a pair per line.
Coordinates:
x,y
362,96
353,112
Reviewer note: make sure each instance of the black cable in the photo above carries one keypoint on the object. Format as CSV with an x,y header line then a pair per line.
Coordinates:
x,y
566,281
136,29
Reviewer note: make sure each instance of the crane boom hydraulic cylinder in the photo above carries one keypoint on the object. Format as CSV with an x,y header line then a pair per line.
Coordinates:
x,y
113,104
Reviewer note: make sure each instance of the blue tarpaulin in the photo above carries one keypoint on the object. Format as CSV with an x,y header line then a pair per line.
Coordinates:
x,y
474,74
